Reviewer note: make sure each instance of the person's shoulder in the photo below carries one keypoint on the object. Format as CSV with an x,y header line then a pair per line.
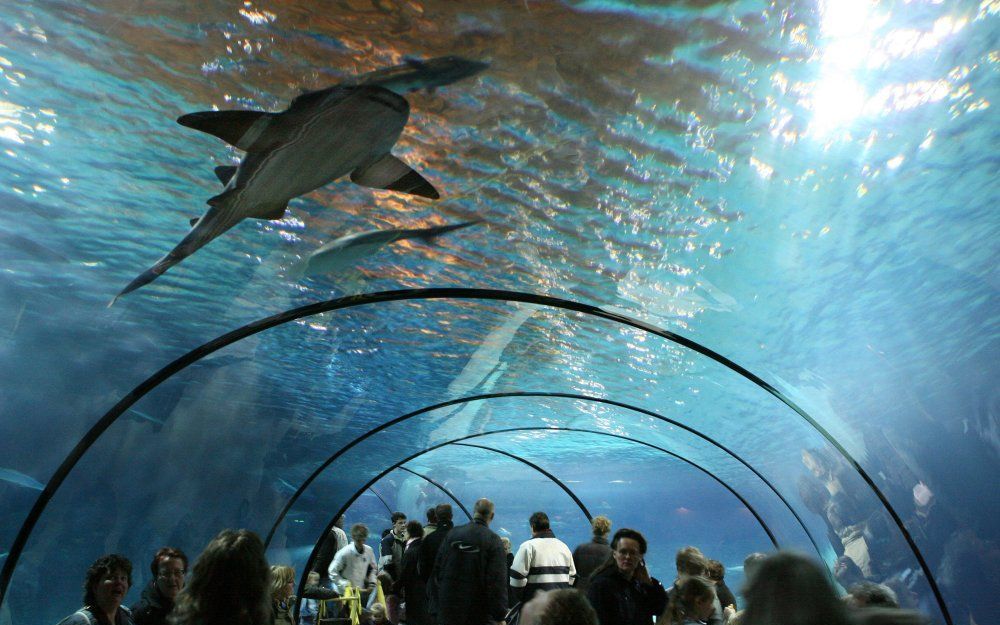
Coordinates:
x,y
80,617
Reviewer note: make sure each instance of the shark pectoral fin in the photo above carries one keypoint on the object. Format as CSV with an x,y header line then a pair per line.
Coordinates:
x,y
393,174
238,128
225,173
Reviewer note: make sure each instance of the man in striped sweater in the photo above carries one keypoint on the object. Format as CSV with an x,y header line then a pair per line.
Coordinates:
x,y
542,563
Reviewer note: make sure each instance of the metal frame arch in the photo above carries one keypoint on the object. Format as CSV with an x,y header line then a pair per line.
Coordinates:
x,y
62,472
441,488
558,482
457,441
575,396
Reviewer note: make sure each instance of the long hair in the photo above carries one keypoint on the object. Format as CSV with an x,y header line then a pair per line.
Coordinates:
x,y
620,534
103,566
791,589
229,584
281,576
689,591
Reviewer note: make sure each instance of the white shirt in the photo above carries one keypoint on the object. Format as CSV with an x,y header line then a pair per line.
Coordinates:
x,y
351,567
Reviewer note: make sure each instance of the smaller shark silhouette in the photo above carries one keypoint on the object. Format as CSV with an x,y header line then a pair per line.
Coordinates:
x,y
347,250
414,74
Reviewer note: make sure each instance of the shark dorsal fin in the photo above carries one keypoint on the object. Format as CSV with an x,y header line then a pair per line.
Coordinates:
x,y
237,128
225,173
393,174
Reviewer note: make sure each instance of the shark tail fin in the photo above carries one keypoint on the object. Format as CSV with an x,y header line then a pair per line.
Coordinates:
x,y
428,235
141,280
393,174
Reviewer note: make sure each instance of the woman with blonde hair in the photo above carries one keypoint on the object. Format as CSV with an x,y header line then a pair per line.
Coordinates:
x,y
590,555
282,587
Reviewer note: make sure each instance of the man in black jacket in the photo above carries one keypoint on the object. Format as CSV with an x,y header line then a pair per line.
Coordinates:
x,y
428,553
168,567
470,573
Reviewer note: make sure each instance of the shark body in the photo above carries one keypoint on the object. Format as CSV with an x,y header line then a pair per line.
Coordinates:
x,y
322,136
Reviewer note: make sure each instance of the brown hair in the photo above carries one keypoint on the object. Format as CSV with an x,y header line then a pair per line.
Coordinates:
x,y
229,584
690,561
567,605
164,553
689,590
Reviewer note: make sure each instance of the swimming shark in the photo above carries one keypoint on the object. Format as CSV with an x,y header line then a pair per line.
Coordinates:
x,y
346,250
323,135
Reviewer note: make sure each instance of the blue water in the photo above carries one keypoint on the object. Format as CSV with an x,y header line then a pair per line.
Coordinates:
x,y
808,189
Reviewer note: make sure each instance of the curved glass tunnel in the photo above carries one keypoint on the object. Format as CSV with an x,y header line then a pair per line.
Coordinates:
x,y
683,445
795,201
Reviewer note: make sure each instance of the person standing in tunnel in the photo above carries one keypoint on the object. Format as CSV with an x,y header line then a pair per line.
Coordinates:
x,y
542,563
590,555
393,544
107,582
334,542
168,567
354,564
410,587
470,573
691,562
621,590
428,553
431,521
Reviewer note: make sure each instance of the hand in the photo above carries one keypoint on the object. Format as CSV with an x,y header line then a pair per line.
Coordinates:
x,y
728,612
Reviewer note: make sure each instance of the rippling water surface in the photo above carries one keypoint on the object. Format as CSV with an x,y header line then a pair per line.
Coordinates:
x,y
808,188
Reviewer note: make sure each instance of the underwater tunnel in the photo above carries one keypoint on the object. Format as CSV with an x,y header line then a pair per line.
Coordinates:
x,y
724,272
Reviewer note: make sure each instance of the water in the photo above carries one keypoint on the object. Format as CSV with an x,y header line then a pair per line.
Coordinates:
x,y
806,188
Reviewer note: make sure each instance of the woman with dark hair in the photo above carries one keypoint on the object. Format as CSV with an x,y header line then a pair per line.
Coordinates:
x,y
621,590
168,567
790,589
229,584
410,586
104,588
692,604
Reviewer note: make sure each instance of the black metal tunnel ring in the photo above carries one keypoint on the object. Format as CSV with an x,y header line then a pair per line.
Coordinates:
x,y
486,396
61,473
442,488
457,441
553,478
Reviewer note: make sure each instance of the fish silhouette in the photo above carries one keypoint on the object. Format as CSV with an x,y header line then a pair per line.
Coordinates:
x,y
346,250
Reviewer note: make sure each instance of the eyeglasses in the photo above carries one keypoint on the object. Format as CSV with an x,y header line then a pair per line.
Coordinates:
x,y
169,574
628,553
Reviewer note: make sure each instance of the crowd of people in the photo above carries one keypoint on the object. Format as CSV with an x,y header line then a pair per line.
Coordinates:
x,y
441,574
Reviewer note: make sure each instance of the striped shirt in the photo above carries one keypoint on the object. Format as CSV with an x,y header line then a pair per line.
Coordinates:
x,y
542,563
